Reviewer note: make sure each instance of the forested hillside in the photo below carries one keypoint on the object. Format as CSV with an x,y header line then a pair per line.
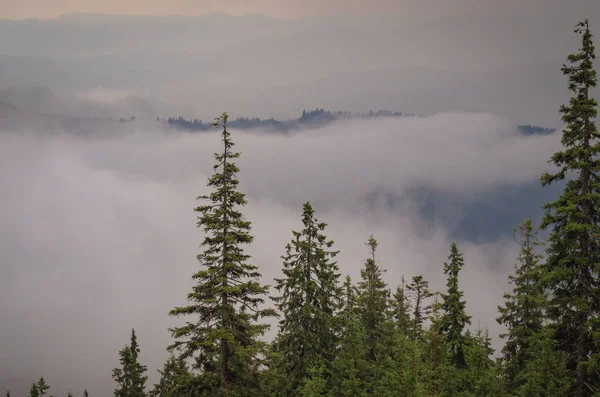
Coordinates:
x,y
343,337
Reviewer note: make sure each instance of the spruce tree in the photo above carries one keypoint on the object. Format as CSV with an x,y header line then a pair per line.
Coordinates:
x,y
39,388
573,275
349,368
224,336
130,376
172,375
33,390
309,301
85,393
373,302
545,374
454,318
523,311
401,309
419,289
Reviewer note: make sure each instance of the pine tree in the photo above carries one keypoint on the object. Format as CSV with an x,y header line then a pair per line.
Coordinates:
x,y
455,318
573,275
523,310
373,302
309,300
224,338
419,289
85,393
171,377
130,377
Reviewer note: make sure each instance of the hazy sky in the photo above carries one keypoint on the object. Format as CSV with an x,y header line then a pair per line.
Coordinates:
x,y
277,8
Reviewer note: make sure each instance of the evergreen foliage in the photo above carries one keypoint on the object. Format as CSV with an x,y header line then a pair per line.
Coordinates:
x,y
227,299
130,376
455,318
310,298
572,273
524,309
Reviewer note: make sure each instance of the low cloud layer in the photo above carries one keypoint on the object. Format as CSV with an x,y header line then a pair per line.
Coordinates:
x,y
98,234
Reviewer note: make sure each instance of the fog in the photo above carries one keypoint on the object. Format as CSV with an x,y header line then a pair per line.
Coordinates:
x,y
98,233
505,60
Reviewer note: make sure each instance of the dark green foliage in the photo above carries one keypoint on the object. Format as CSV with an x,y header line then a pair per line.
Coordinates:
x,y
419,290
130,376
223,339
572,273
524,309
173,375
314,384
455,318
373,302
350,367
401,309
309,300
545,374
39,388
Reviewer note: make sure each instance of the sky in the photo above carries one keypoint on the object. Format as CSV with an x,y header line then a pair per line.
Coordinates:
x,y
97,232
287,9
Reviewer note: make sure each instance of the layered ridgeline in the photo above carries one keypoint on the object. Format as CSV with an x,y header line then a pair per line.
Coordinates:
x,y
340,338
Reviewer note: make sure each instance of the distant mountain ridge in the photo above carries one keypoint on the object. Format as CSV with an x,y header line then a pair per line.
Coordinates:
x,y
312,119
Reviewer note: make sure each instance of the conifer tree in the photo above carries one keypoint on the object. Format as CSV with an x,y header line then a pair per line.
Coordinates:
x,y
130,376
545,374
349,368
39,388
373,302
573,276
226,300
85,393
172,375
8,393
419,289
309,300
523,310
401,308
455,318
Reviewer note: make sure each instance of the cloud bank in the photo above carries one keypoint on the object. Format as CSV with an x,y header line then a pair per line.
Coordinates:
x,y
98,233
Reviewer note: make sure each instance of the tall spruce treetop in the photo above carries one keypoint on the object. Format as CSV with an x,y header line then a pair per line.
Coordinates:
x,y
227,297
573,255
130,378
310,297
454,318
523,310
373,300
